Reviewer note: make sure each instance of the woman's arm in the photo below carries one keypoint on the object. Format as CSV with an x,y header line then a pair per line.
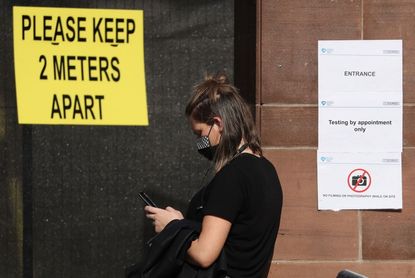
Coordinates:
x,y
206,249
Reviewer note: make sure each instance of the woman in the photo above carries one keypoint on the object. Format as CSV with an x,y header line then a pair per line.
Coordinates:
x,y
241,206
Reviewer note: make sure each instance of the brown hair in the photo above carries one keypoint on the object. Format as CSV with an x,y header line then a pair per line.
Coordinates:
x,y
215,96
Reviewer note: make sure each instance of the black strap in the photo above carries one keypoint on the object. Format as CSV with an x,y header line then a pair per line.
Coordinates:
x,y
242,148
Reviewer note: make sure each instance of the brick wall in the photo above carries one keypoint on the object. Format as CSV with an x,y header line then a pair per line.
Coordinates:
x,y
314,243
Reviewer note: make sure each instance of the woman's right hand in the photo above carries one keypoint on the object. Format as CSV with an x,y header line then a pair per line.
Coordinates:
x,y
162,217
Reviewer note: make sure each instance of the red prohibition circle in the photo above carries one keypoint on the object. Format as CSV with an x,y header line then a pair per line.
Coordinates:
x,y
361,176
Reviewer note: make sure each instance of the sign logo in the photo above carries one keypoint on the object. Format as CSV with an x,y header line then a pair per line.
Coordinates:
x,y
359,180
327,50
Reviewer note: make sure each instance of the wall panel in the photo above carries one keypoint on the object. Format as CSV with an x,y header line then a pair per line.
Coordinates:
x,y
314,243
11,160
82,214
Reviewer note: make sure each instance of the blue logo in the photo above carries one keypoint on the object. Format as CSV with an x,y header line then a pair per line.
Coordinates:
x,y
326,50
326,159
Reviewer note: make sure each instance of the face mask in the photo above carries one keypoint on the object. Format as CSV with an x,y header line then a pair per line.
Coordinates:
x,y
204,147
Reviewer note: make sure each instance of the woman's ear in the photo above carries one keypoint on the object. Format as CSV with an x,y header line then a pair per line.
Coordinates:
x,y
218,121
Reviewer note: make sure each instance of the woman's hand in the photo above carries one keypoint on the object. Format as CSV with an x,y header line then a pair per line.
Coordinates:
x,y
162,217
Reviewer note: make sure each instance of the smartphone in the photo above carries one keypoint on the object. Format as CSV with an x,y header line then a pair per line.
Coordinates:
x,y
146,199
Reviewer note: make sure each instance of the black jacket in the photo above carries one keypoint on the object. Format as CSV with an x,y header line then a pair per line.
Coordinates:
x,y
167,252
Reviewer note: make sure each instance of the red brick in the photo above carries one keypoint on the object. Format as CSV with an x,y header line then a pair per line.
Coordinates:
x,y
409,126
330,270
391,234
289,31
385,19
305,232
289,126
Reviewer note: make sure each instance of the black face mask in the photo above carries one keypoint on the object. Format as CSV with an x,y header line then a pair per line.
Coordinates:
x,y
205,148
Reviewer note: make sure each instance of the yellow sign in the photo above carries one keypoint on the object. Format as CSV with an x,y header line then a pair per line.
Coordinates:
x,y
79,66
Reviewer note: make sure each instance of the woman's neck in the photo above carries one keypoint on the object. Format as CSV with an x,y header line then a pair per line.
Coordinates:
x,y
246,149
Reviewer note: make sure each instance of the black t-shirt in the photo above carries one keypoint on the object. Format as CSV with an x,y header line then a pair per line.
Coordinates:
x,y
247,193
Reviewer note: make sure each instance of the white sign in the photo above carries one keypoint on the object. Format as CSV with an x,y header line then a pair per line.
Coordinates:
x,y
360,96
348,127
360,66
359,181
360,124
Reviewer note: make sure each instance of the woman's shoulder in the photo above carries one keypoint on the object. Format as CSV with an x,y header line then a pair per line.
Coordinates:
x,y
248,159
250,163
243,163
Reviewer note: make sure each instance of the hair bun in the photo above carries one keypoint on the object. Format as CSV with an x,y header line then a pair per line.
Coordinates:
x,y
220,78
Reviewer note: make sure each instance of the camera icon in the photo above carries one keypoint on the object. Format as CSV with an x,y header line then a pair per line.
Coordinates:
x,y
362,180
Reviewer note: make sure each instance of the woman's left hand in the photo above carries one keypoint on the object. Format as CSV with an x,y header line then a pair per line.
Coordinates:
x,y
162,217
